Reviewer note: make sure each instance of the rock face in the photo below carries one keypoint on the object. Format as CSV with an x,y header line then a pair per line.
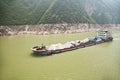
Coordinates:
x,y
3,32
46,29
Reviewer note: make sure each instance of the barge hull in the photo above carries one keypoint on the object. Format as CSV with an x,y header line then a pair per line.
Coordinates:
x,y
50,52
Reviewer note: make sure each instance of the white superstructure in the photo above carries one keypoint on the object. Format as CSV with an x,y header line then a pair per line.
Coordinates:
x,y
103,34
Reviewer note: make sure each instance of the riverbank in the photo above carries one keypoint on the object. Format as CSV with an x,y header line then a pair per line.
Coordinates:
x,y
46,29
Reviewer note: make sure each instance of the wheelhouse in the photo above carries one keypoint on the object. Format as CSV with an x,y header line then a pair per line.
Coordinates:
x,y
103,34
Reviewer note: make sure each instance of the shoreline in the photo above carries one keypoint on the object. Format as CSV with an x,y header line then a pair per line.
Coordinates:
x,y
47,29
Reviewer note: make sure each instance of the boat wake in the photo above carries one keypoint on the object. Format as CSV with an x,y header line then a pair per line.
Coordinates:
x,y
116,37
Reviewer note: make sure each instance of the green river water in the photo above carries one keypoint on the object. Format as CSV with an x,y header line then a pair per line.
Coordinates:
x,y
99,62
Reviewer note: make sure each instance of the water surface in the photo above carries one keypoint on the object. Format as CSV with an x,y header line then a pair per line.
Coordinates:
x,y
99,62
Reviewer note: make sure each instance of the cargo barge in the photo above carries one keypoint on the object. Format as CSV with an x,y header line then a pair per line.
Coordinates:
x,y
101,37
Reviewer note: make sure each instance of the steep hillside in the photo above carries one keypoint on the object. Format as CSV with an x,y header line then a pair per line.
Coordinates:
x,y
22,11
17,12
68,11
103,11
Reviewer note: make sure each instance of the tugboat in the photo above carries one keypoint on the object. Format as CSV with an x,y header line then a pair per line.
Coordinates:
x,y
101,37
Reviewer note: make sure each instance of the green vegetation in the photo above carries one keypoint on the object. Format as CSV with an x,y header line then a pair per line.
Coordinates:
x,y
17,12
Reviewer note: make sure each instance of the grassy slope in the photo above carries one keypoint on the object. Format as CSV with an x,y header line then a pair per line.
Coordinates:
x,y
47,11
42,11
68,11
22,11
56,11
